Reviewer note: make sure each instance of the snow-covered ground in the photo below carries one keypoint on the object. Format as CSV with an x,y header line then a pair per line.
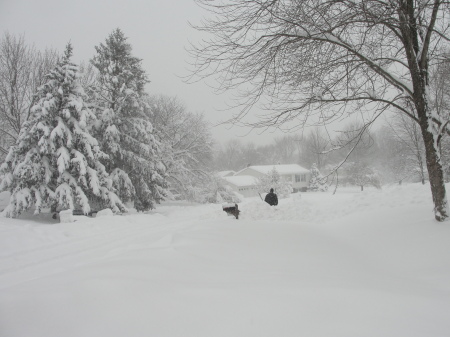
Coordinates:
x,y
354,264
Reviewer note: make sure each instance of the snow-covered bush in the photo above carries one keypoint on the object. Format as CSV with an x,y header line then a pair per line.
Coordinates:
x,y
273,180
104,212
66,216
214,191
360,174
317,181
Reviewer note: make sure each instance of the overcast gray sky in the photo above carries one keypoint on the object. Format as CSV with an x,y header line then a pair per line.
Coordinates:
x,y
158,31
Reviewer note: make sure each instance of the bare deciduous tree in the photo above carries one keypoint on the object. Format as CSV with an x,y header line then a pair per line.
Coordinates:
x,y
22,71
250,154
392,158
322,60
285,149
229,156
355,141
407,133
88,77
185,138
315,146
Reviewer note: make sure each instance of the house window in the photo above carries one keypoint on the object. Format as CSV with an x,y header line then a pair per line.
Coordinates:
x,y
300,178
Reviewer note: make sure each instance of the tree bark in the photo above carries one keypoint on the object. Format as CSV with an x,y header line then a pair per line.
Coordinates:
x,y
422,169
436,175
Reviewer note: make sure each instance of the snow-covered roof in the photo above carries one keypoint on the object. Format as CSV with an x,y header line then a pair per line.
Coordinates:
x,y
225,173
241,180
281,169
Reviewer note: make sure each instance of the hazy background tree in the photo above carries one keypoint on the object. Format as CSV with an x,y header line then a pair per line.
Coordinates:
x,y
354,142
284,150
251,154
360,174
407,136
315,146
237,154
186,142
392,160
229,156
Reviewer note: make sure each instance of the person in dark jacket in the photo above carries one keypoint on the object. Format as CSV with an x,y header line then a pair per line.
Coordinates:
x,y
271,198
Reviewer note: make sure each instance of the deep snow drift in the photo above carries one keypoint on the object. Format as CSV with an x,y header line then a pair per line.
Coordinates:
x,y
371,263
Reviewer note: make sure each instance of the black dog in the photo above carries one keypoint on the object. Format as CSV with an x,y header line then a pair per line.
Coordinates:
x,y
232,210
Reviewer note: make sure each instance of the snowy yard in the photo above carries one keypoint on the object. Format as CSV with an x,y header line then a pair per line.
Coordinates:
x,y
354,264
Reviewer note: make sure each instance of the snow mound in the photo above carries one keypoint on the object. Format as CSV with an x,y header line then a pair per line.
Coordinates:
x,y
104,212
66,216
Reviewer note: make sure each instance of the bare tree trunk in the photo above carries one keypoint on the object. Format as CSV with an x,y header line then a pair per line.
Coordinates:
x,y
420,161
337,182
436,175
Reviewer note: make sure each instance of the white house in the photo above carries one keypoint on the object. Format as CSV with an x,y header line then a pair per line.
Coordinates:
x,y
244,185
225,173
245,181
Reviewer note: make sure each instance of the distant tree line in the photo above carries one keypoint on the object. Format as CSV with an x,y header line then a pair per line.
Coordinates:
x,y
392,153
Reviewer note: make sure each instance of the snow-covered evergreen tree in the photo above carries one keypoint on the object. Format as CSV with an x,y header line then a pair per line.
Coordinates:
x,y
125,133
317,182
56,161
273,180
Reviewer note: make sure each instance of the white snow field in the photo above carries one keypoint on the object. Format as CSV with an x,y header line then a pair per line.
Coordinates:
x,y
372,263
